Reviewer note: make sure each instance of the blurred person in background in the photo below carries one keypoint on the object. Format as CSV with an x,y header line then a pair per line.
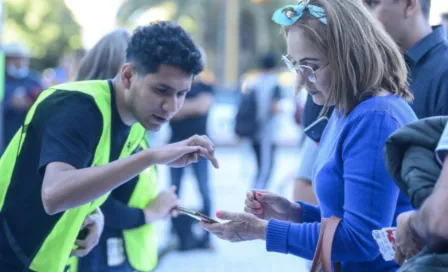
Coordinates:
x,y
78,56
22,86
368,87
63,70
303,190
445,21
128,242
66,159
68,67
267,95
425,50
192,120
303,185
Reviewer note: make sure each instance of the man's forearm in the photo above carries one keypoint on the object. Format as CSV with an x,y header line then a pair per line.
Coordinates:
x,y
75,187
118,215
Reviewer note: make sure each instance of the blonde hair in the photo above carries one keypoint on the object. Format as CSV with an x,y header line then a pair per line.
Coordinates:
x,y
104,60
362,57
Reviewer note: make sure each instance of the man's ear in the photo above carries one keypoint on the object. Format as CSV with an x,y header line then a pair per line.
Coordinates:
x,y
412,8
127,74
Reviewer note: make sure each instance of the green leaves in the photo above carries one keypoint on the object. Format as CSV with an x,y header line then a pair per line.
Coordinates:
x,y
46,27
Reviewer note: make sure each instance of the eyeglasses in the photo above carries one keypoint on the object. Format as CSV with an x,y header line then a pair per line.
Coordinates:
x,y
305,70
371,3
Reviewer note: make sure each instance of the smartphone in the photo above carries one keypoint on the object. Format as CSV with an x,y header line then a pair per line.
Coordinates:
x,y
316,129
197,215
83,234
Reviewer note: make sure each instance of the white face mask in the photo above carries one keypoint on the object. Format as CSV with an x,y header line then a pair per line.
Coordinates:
x,y
15,72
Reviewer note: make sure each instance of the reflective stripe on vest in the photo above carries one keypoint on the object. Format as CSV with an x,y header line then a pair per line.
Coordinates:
x,y
54,253
141,243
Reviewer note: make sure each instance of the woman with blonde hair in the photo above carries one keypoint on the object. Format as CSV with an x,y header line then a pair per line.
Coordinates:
x,y
104,60
344,58
128,242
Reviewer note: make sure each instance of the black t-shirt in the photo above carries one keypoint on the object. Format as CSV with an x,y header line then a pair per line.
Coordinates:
x,y
118,215
66,128
185,128
116,212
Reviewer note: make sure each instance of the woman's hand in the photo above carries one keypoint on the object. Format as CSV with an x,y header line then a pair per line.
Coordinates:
x,y
266,205
242,227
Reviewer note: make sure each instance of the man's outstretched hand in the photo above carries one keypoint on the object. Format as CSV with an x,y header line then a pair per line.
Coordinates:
x,y
186,152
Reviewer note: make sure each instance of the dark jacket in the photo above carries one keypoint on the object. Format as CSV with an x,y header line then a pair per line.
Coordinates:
x,y
411,161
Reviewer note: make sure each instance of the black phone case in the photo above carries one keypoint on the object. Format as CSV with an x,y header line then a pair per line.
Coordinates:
x,y
316,129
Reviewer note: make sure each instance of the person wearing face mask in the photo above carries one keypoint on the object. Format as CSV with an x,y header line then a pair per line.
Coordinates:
x,y
21,89
367,85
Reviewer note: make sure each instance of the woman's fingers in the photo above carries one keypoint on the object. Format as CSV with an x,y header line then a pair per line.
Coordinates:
x,y
252,204
253,211
216,229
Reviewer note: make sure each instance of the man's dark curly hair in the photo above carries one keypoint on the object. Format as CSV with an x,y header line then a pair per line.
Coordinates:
x,y
163,43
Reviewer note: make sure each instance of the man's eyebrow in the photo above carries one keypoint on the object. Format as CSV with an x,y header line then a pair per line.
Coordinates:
x,y
308,59
168,88
164,87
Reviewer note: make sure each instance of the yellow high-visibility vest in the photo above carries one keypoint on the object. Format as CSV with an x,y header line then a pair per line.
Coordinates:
x,y
55,250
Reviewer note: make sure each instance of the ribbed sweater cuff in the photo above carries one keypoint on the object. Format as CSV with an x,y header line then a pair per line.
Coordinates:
x,y
277,236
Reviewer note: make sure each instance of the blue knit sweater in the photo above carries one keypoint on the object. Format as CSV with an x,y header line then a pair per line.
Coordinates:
x,y
351,182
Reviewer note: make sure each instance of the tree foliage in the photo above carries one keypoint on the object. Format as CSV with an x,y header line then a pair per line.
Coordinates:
x,y
46,27
257,32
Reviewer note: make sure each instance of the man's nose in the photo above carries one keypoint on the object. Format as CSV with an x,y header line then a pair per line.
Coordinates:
x,y
170,104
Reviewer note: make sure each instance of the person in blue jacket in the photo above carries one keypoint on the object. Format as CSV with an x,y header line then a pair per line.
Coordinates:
x,y
344,58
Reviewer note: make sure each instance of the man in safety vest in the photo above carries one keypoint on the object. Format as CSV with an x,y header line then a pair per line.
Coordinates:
x,y
129,243
70,152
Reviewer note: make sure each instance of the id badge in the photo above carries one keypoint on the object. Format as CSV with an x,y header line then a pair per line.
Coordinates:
x,y
385,238
115,252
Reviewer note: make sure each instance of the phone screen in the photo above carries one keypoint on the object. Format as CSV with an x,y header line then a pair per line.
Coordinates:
x,y
197,215
316,129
